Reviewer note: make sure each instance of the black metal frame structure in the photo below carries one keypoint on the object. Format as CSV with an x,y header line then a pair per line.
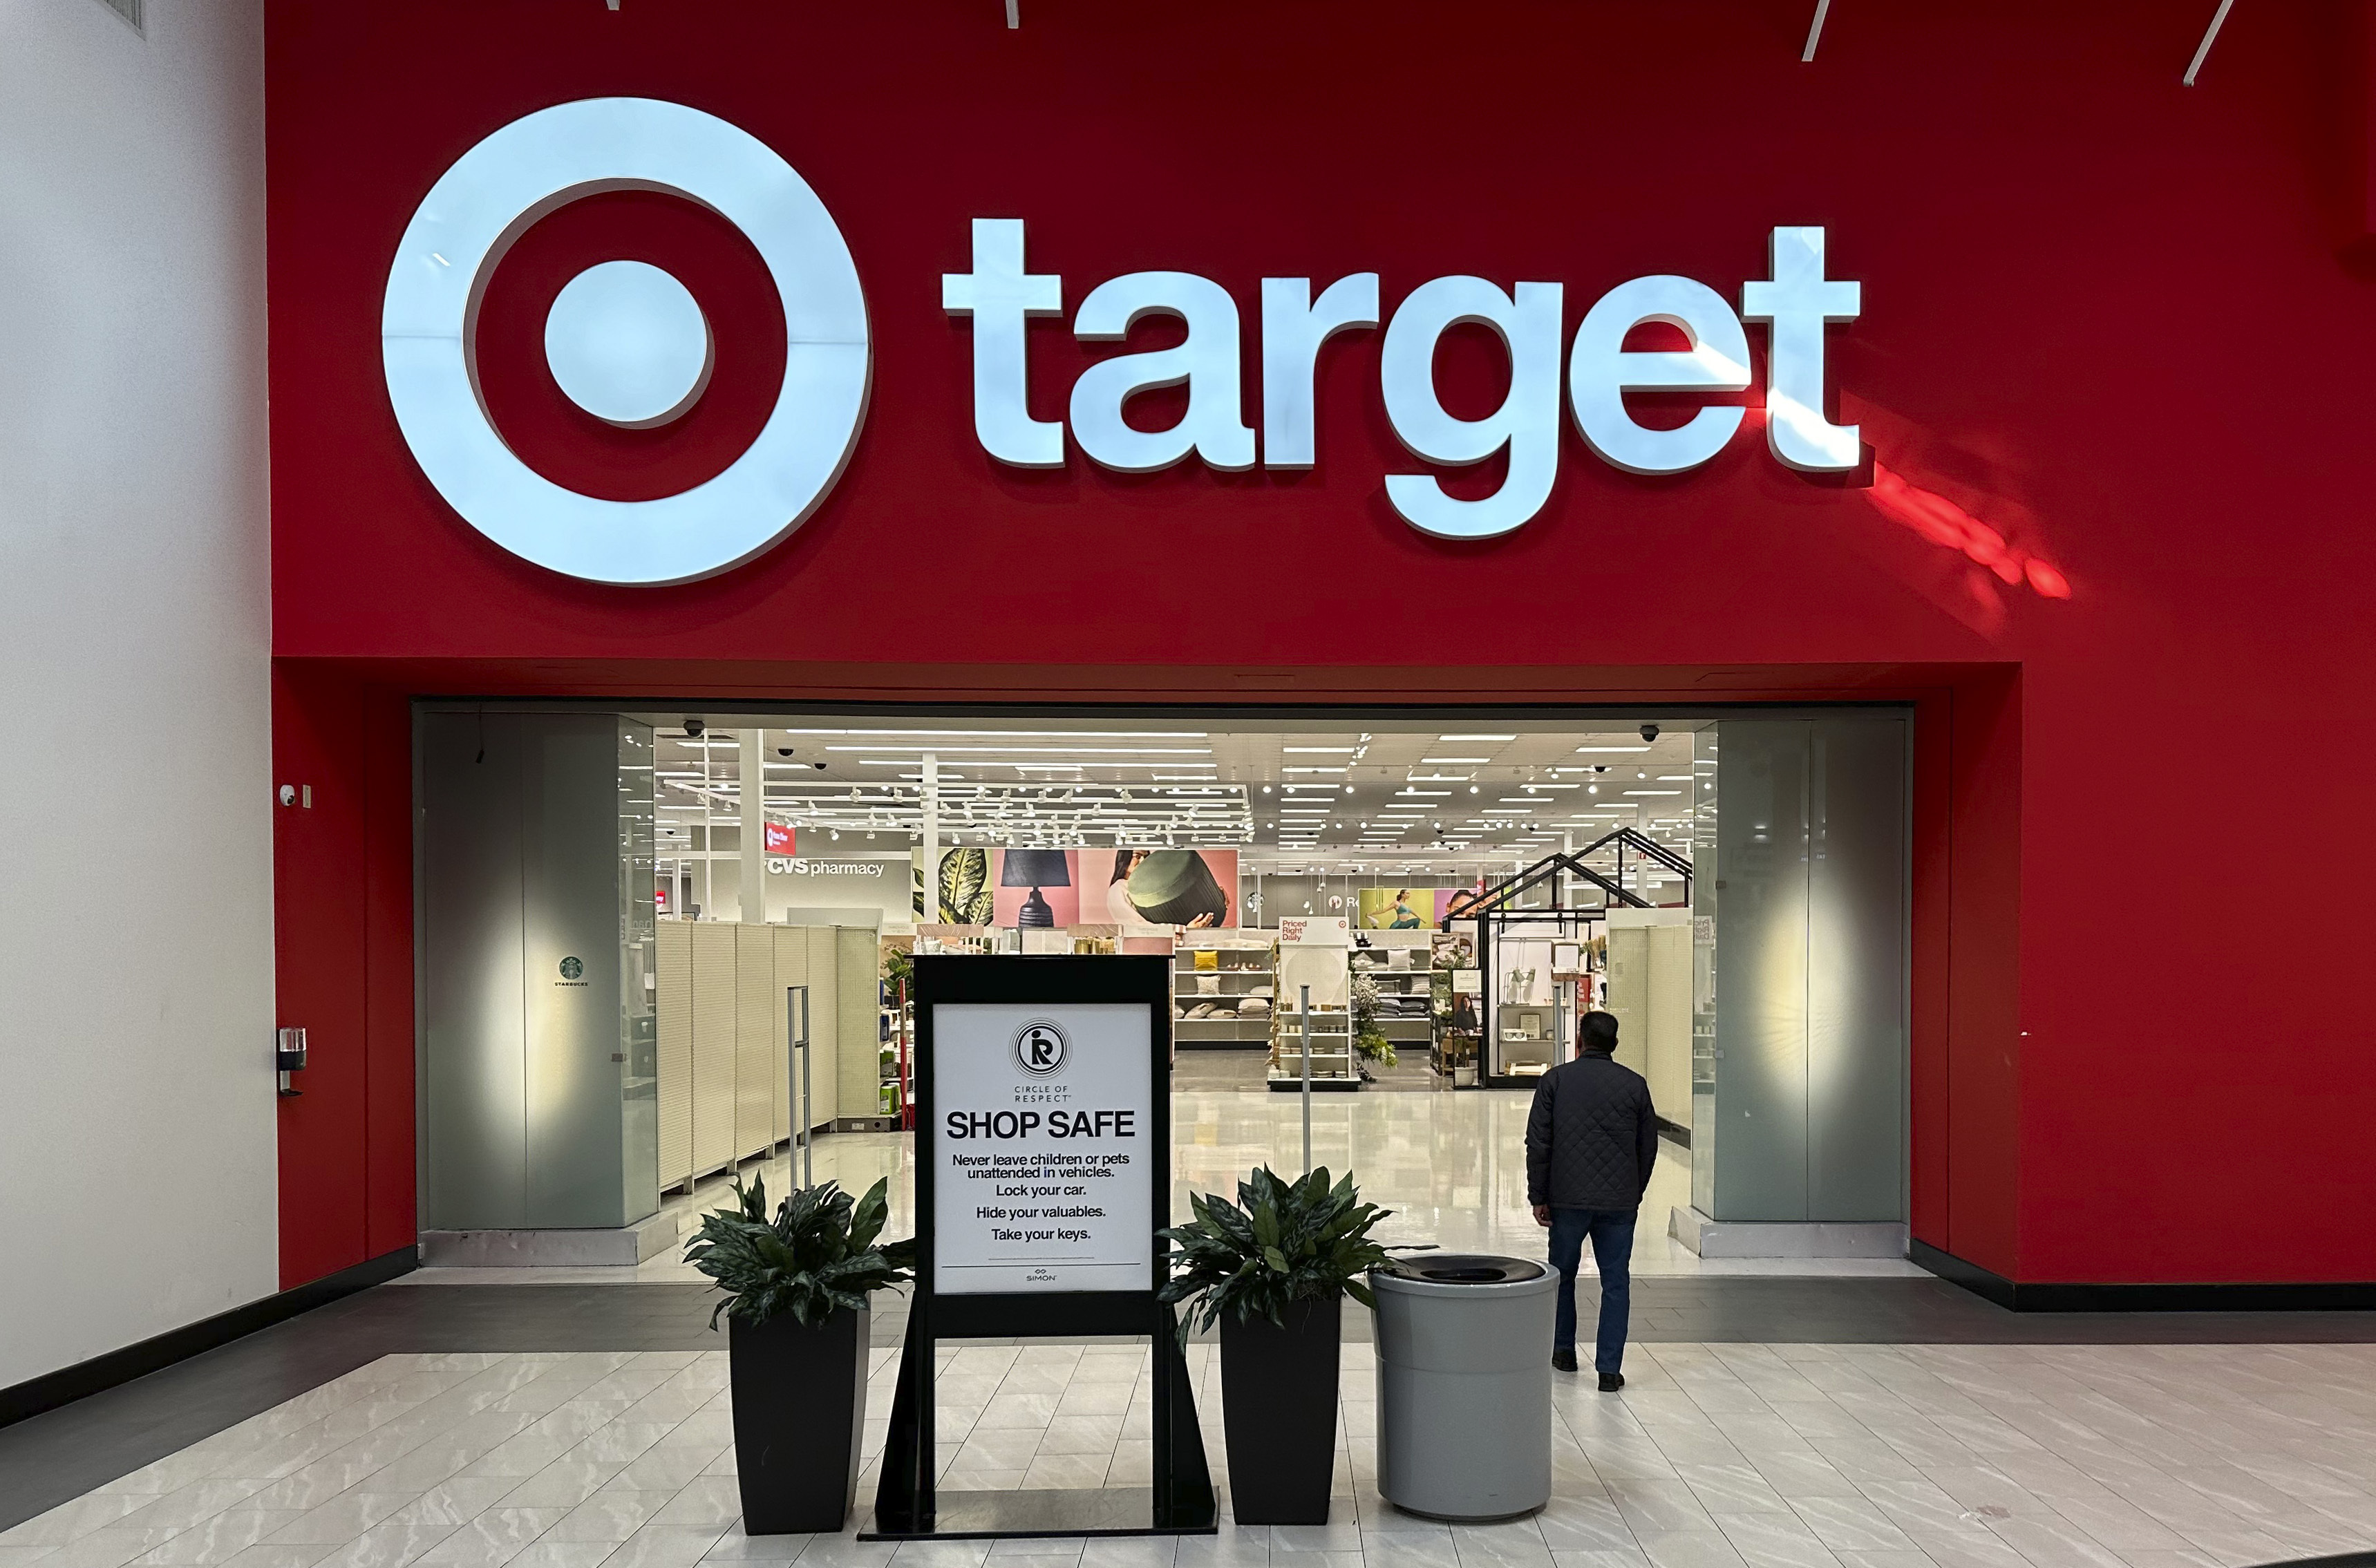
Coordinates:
x,y
1179,1500
1497,909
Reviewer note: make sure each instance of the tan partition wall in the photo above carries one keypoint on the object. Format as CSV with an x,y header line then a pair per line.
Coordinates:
x,y
825,1021
1650,993
1671,1022
861,1015
791,969
725,1076
756,1042
714,955
675,1001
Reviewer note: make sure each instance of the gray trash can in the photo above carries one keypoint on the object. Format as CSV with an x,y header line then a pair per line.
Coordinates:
x,y
1463,1384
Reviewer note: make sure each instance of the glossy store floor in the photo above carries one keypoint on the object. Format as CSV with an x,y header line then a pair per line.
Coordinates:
x,y
1866,1418
1451,1166
1730,1454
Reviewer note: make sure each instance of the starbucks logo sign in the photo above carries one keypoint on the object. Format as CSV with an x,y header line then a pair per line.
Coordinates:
x,y
571,969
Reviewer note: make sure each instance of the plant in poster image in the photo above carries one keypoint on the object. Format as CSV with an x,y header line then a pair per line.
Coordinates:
x,y
967,898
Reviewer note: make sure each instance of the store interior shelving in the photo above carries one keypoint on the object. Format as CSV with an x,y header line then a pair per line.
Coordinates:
x,y
1320,976
1210,997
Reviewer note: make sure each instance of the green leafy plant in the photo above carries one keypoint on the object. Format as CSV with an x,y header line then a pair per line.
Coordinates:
x,y
1281,1242
1368,1038
816,1255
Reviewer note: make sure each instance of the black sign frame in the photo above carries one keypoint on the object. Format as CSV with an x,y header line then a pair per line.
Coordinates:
x,y
1179,1501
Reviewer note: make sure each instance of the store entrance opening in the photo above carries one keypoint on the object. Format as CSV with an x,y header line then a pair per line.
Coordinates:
x,y
1419,904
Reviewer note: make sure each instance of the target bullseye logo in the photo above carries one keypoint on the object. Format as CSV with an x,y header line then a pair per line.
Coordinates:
x,y
625,341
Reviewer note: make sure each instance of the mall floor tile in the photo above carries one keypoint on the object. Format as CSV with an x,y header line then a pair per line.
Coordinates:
x,y
1790,1453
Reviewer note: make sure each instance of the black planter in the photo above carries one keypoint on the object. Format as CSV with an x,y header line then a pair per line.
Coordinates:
x,y
1279,1412
800,1406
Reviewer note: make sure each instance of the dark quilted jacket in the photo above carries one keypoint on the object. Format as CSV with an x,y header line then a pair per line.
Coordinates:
x,y
1591,1138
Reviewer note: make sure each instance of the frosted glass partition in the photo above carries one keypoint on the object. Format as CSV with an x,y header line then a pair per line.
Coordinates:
x,y
1799,1036
539,1067
639,1025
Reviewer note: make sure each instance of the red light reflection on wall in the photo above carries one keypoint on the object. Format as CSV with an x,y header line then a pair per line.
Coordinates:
x,y
1943,523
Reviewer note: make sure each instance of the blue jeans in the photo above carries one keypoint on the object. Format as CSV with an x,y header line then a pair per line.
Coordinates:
x,y
1611,1231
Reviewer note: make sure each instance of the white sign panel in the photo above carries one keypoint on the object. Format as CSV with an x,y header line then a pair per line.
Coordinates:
x,y
1322,930
1043,1169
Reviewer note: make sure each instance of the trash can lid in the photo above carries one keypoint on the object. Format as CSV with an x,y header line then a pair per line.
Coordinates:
x,y
1454,1270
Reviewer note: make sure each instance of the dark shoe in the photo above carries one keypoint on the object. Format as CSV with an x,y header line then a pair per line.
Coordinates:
x,y
1564,1360
1612,1381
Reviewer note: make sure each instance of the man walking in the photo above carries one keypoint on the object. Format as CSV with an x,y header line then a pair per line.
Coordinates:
x,y
1591,1140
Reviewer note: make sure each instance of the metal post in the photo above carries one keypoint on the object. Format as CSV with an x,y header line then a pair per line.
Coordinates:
x,y
796,1034
1307,1078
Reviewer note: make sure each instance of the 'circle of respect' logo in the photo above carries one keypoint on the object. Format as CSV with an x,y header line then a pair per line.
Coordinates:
x,y
622,343
1040,1048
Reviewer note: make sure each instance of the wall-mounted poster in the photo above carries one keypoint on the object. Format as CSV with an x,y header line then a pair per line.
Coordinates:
x,y
1196,888
1458,901
1398,908
1039,888
1056,888
965,890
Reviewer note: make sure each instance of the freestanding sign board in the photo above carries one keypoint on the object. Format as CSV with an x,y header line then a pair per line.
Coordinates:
x,y
1043,1167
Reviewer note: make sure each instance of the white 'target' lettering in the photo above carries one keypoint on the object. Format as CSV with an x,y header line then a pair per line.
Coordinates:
x,y
1293,328
1000,296
1795,304
1213,427
1601,372
1528,322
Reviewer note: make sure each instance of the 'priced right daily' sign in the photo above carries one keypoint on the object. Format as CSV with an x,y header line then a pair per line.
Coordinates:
x,y
1042,1177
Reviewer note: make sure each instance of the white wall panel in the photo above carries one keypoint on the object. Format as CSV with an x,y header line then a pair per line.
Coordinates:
x,y
133,609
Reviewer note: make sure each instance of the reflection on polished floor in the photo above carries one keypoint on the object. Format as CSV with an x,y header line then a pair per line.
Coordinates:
x,y
1451,1166
1715,1456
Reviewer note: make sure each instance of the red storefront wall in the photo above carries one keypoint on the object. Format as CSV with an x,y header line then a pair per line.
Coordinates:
x,y
2104,317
